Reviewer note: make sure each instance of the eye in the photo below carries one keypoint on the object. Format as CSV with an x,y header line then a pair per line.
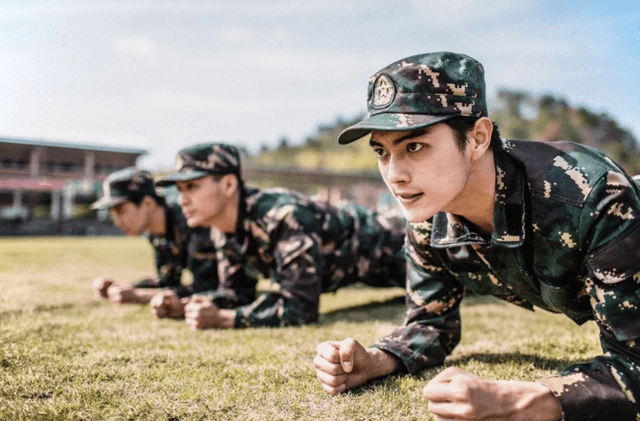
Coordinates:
x,y
184,186
414,146
380,152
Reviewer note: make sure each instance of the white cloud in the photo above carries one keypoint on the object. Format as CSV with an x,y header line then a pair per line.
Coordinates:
x,y
178,72
460,13
237,9
136,46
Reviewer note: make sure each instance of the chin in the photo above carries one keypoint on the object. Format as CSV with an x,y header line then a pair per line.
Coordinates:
x,y
416,216
194,222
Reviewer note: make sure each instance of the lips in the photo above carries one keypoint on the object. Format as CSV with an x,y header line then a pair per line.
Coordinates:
x,y
407,198
188,213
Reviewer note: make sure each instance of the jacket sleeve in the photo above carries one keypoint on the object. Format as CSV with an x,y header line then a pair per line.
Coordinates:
x,y
432,322
202,262
235,287
608,387
169,262
297,268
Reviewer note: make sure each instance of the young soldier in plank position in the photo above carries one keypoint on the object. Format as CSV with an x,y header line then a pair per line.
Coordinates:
x,y
136,208
552,225
305,245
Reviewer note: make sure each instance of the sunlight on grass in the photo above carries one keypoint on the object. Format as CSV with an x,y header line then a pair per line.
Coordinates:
x,y
67,355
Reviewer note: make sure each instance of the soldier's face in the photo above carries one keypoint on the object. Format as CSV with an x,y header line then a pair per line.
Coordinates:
x,y
130,218
202,201
424,169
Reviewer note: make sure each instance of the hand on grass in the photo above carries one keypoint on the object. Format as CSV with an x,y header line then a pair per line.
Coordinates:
x,y
167,304
201,313
122,294
455,394
342,365
100,285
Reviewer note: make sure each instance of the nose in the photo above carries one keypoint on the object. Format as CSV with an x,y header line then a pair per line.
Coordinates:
x,y
396,173
117,221
182,199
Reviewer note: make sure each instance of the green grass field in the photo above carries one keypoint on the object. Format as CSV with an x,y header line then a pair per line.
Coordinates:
x,y
67,355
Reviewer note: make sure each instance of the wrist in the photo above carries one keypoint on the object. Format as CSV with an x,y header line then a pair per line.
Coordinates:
x,y
382,363
533,401
143,296
226,319
178,310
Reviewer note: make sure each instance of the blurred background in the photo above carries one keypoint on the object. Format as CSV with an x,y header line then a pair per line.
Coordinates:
x,y
90,87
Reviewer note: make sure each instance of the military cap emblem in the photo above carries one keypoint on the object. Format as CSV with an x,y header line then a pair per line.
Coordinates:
x,y
383,92
106,189
179,163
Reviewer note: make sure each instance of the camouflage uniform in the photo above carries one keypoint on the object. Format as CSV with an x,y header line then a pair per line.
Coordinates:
x,y
308,247
305,245
182,247
179,248
566,238
566,224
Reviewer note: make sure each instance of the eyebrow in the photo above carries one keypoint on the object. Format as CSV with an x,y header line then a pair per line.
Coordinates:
x,y
410,135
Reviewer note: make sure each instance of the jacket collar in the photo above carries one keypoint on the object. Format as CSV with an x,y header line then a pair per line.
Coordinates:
x,y
449,230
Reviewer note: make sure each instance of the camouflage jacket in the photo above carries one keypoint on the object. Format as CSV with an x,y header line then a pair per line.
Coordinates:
x,y
307,246
566,238
182,248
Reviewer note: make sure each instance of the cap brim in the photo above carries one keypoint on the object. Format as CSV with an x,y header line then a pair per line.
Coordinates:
x,y
108,202
389,122
170,179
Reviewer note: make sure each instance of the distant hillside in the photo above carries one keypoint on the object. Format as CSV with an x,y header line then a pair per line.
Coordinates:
x,y
519,115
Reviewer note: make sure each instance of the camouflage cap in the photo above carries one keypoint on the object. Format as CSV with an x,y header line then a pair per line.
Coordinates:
x,y
419,91
201,160
123,185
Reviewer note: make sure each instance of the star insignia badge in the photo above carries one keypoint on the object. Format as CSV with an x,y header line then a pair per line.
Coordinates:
x,y
383,92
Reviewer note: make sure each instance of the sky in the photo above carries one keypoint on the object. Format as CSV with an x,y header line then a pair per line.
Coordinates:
x,y
163,75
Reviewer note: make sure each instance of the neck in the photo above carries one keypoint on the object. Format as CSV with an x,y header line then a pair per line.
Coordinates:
x,y
157,221
228,220
480,194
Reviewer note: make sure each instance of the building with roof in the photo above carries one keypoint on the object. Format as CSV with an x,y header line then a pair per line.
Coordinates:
x,y
38,175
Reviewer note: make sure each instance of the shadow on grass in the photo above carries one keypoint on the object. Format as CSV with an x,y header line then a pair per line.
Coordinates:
x,y
512,358
391,310
471,299
516,358
48,308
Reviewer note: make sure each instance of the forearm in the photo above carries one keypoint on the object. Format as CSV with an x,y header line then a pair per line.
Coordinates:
x,y
169,270
148,282
432,321
382,363
606,388
225,298
275,310
205,273
422,345
226,319
533,401
144,295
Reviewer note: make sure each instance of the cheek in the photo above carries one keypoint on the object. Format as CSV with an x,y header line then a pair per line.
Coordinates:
x,y
200,203
384,170
203,201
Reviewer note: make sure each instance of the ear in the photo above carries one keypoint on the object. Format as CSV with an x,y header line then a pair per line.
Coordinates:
x,y
480,135
147,201
229,183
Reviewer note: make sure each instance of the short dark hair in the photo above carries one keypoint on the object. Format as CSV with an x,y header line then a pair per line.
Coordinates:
x,y
461,126
136,199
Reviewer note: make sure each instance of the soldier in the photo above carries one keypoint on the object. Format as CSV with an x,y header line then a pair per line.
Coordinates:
x,y
137,208
305,245
552,225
